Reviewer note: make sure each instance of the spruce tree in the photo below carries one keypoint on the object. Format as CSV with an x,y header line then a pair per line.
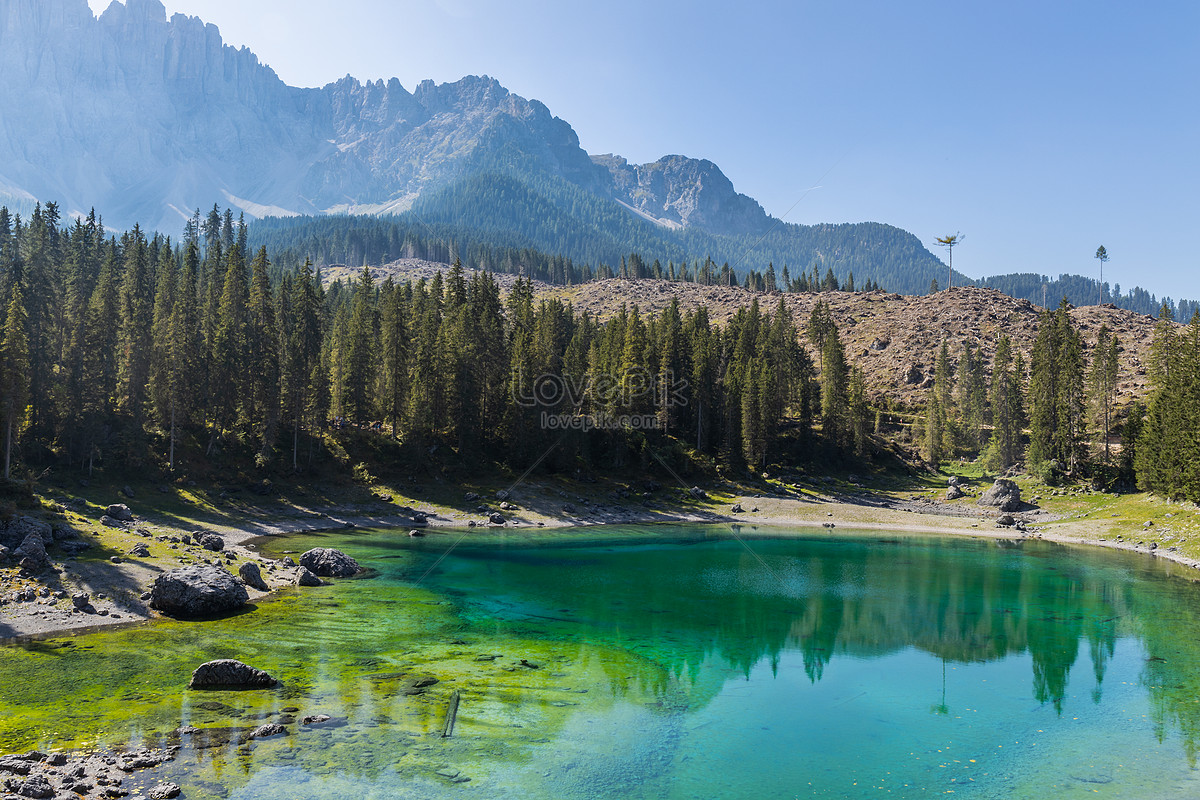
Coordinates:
x,y
14,370
1103,385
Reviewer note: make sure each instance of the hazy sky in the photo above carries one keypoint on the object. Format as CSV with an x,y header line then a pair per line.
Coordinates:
x,y
1040,130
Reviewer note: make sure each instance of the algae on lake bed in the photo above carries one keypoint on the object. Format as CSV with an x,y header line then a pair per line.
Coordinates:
x,y
658,662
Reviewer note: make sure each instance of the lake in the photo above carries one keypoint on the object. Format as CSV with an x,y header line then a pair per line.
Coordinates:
x,y
681,661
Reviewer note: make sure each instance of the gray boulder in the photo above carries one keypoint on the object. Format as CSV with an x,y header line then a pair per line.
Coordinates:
x,y
200,590
36,787
22,527
329,563
81,600
954,492
1003,494
496,518
252,577
305,577
32,548
163,791
228,673
119,511
210,541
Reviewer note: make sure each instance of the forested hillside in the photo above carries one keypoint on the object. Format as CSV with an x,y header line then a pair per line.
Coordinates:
x,y
486,218
132,351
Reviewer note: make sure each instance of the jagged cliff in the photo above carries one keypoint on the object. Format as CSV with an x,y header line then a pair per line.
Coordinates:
x,y
145,118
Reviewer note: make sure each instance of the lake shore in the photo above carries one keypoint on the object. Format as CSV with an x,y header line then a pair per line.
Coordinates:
x,y
116,584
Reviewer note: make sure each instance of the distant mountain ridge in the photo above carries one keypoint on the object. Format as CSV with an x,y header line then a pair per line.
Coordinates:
x,y
146,118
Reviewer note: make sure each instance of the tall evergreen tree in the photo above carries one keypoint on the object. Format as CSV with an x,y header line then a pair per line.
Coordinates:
x,y
14,370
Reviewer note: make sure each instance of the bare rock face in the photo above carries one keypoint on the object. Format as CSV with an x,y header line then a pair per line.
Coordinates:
x,y
329,563
1003,494
197,591
252,576
228,673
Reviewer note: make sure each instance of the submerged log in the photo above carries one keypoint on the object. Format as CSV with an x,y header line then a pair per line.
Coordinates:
x,y
451,715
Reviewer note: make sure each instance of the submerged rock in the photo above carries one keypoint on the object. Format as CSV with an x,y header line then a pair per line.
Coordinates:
x,y
228,673
329,563
200,590
270,729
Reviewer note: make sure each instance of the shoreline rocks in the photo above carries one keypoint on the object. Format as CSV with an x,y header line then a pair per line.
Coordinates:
x,y
252,576
197,591
1004,495
329,563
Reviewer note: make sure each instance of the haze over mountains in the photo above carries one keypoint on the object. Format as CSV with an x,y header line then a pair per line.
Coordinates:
x,y
147,118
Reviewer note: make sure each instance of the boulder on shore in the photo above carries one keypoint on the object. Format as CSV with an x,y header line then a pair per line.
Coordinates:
x,y
197,591
305,577
329,563
1003,494
120,512
252,576
228,673
210,541
32,548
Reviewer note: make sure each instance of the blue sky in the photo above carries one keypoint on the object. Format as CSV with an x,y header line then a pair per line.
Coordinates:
x,y
1039,130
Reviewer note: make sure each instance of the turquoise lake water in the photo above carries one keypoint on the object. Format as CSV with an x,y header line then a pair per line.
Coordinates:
x,y
662,662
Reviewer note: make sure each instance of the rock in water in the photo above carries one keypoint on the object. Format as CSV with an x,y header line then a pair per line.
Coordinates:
x,y
164,791
252,577
1003,494
228,673
270,729
329,563
305,577
201,590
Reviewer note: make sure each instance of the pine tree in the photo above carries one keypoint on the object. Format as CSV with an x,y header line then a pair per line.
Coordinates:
x,y
1103,384
835,421
137,319
972,395
14,370
1007,408
229,373
1056,392
260,404
163,380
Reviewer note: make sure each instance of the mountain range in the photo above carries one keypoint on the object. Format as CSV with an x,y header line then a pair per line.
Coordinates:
x,y
147,118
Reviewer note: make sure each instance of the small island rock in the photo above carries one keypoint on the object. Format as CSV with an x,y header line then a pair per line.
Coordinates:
x,y
229,673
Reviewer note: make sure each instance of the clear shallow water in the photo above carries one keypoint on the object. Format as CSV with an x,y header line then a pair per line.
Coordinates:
x,y
671,662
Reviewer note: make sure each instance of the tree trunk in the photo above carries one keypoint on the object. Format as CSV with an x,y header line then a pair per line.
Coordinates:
x,y
8,445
